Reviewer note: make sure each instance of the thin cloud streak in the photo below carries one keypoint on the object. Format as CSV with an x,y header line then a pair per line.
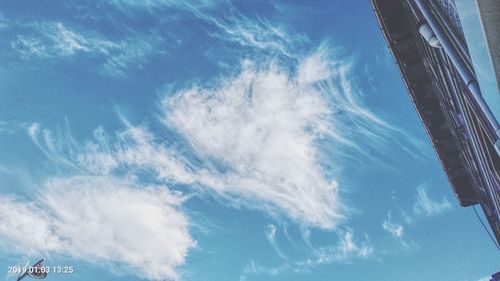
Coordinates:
x,y
425,206
346,250
271,238
255,268
49,40
395,229
256,36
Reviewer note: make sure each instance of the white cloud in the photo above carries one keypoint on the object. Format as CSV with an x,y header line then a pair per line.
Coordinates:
x,y
129,53
29,46
271,238
154,4
254,268
260,128
258,34
130,150
254,34
258,139
53,39
101,220
395,229
346,250
425,206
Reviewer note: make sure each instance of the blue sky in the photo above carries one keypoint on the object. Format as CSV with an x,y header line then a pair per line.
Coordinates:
x,y
219,140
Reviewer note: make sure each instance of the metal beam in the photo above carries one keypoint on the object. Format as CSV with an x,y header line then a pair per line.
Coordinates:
x,y
467,75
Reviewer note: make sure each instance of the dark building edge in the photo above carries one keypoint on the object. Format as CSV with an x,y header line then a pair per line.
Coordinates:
x,y
401,40
405,44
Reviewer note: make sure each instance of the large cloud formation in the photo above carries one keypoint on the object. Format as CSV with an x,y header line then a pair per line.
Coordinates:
x,y
269,135
256,133
258,139
101,220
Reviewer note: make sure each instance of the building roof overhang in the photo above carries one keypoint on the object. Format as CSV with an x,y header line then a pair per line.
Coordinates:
x,y
401,38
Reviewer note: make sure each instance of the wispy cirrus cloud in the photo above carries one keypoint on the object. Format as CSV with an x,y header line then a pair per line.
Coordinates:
x,y
395,229
347,249
49,40
255,35
271,135
258,34
262,135
127,151
271,238
425,206
255,268
103,221
260,128
156,4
